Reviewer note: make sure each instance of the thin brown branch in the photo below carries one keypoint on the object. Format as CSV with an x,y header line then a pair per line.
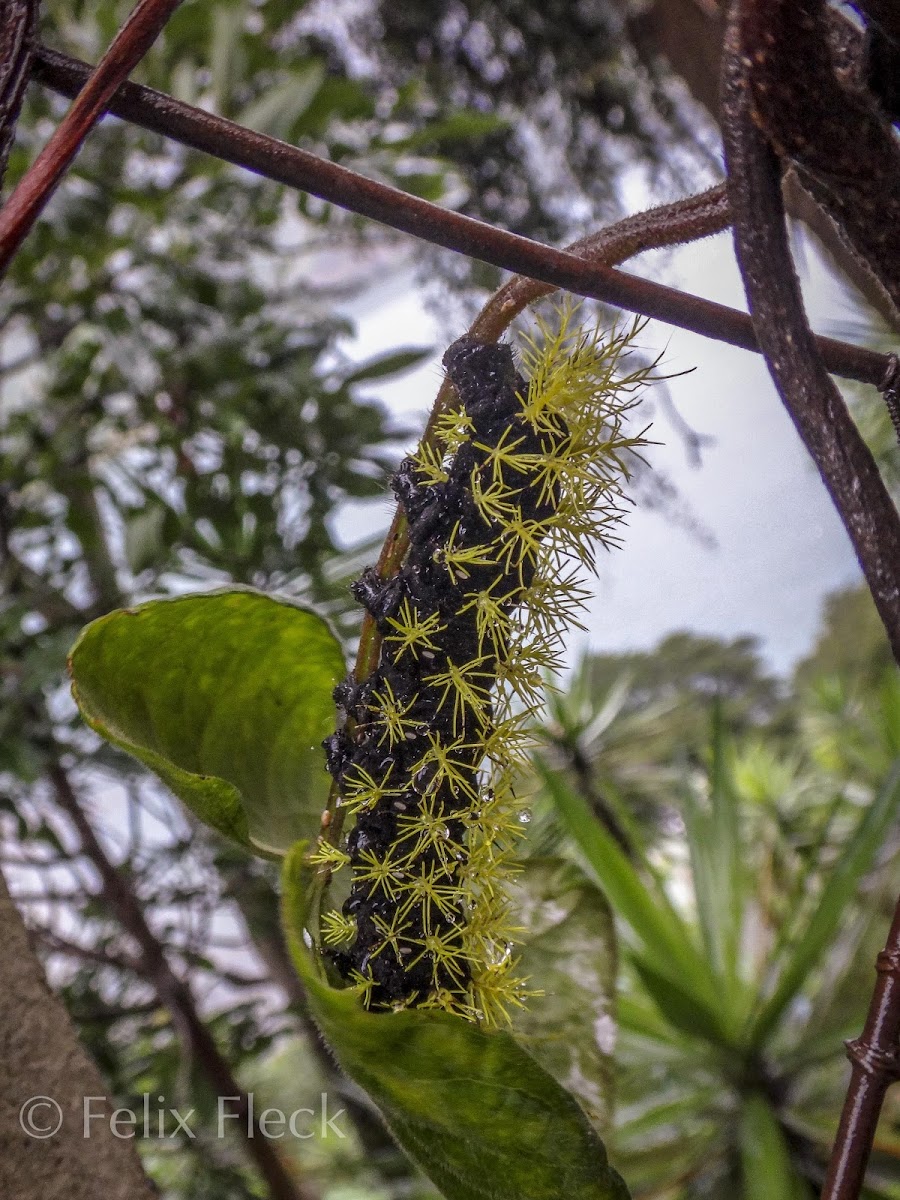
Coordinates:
x,y
40,181
59,945
875,1059
819,413
890,394
390,206
842,145
17,24
686,220
175,994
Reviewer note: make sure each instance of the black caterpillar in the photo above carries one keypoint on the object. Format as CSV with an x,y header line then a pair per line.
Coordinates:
x,y
420,723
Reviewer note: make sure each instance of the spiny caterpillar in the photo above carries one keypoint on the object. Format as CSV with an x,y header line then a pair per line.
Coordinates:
x,y
520,480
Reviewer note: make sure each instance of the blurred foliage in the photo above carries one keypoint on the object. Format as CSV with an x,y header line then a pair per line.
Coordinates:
x,y
752,879
552,104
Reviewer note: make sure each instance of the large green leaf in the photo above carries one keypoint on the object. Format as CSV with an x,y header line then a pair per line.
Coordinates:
x,y
227,697
471,1108
569,954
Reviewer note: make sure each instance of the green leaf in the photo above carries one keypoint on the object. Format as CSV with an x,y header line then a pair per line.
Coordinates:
x,y
227,697
279,108
394,363
471,1108
765,1158
468,124
715,848
809,944
659,930
569,953
678,1004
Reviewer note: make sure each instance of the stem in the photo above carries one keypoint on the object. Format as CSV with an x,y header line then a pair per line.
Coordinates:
x,y
17,24
295,168
842,146
177,997
817,409
41,179
875,1060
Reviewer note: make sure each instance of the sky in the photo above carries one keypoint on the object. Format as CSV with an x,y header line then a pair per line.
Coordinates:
x,y
777,547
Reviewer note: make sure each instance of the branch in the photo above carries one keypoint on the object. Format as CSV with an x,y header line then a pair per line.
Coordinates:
x,y
875,1060
299,169
41,179
17,24
59,945
792,354
689,34
176,995
843,147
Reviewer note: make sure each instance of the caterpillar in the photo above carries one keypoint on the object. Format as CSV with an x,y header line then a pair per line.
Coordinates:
x,y
522,477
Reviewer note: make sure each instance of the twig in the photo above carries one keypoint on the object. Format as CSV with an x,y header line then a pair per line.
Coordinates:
x,y
855,485
390,206
60,945
17,23
839,141
819,413
875,1059
39,182
890,393
176,995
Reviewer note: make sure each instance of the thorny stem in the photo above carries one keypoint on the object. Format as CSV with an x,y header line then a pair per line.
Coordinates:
x,y
176,995
40,181
875,1060
392,207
